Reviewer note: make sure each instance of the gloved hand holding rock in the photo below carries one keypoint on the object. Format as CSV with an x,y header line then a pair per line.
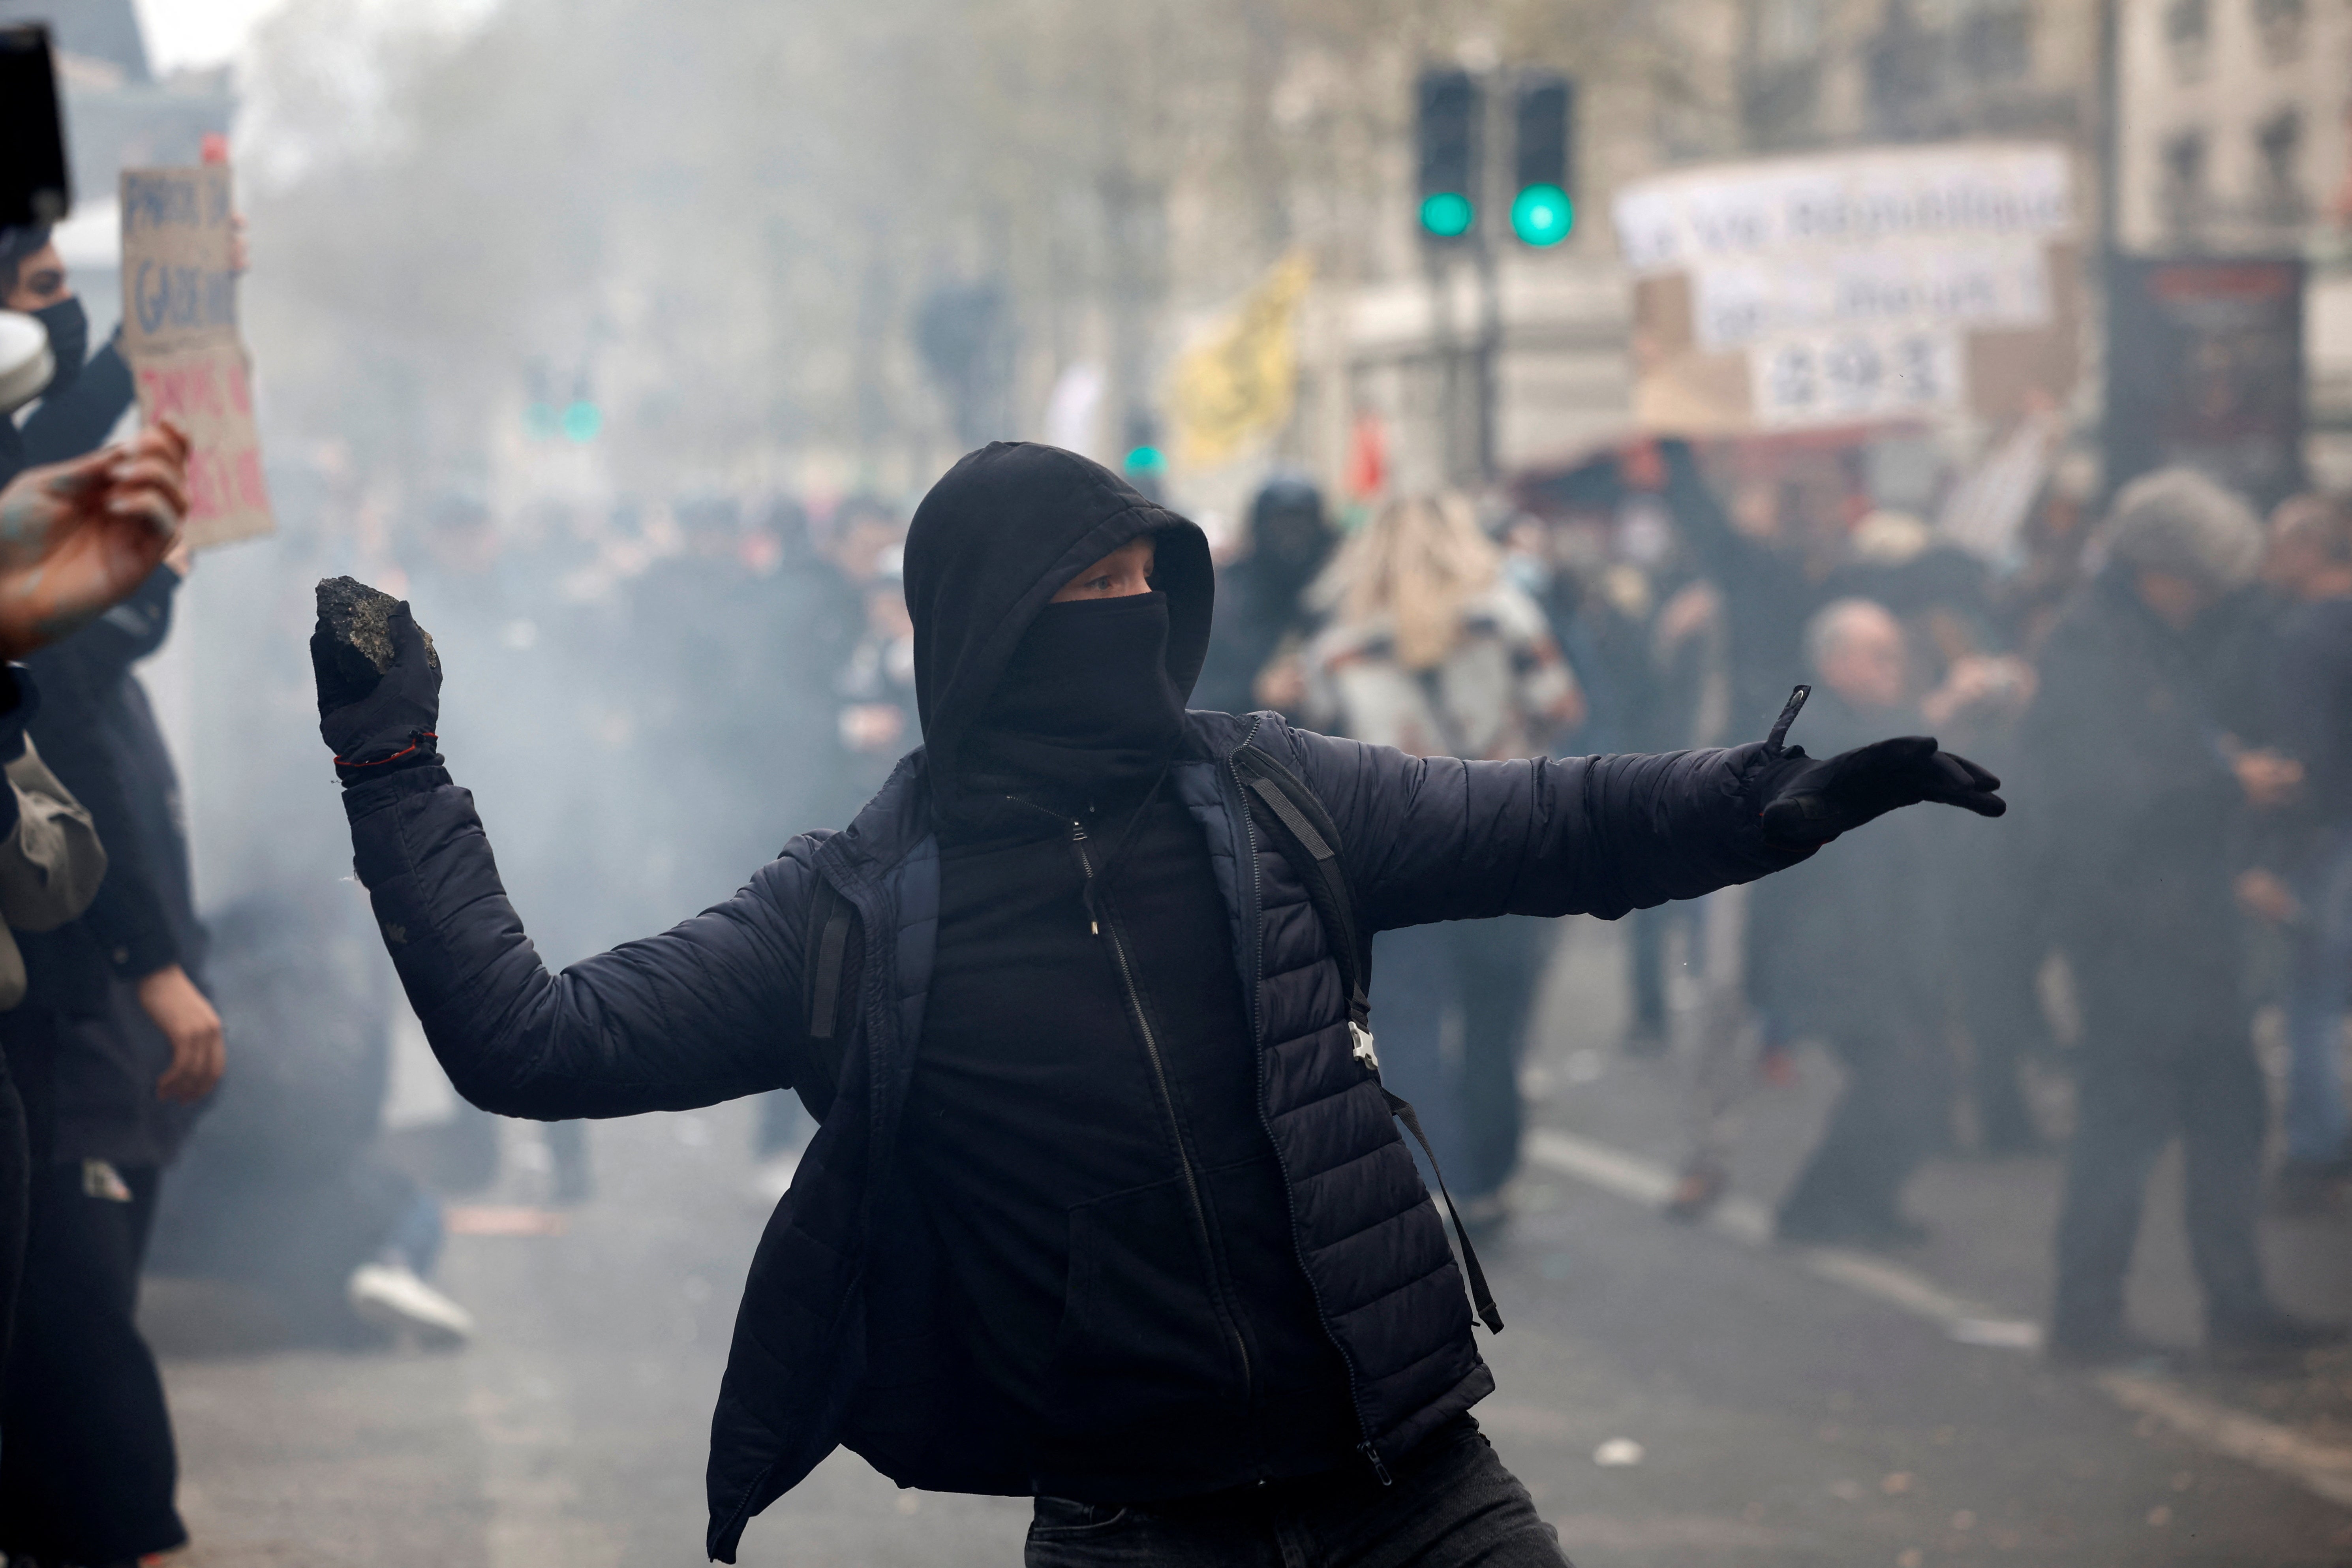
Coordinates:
x,y
379,681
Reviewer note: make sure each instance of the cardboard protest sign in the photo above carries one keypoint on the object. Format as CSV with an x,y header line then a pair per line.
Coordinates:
x,y
179,331
1896,283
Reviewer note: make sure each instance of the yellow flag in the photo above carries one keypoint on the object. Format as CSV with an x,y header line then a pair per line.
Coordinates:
x,y
1239,382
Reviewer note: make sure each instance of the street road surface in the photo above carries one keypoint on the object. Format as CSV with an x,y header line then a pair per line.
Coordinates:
x,y
1779,1417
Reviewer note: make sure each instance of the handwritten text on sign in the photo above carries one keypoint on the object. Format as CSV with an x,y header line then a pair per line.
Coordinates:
x,y
1885,284
179,328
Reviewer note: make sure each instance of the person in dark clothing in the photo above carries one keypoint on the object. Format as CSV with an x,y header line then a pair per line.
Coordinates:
x,y
2147,789
50,866
86,393
1849,949
74,540
1261,607
139,1046
131,1044
1075,1034
2310,565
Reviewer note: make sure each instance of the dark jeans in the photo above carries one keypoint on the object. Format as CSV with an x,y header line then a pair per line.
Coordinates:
x,y
89,1470
1470,1106
1645,968
28,1049
15,1200
1451,1504
2197,1080
1889,1118
1998,967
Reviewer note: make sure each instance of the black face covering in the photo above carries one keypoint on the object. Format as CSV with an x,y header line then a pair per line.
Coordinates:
x,y
69,329
1084,712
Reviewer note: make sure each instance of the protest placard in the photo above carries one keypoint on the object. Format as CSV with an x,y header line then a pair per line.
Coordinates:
x,y
1853,287
179,332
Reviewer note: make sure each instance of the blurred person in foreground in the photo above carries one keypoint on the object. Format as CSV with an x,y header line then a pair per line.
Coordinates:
x,y
1432,652
2147,798
1262,616
83,1476
1107,1205
50,866
2309,565
133,1045
66,553
87,392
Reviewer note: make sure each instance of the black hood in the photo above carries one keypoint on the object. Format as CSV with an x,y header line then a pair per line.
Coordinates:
x,y
997,538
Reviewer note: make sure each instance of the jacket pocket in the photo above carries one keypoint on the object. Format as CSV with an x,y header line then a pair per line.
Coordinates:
x,y
1142,1335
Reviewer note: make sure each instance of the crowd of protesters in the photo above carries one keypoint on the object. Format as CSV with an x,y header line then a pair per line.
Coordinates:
x,y
2168,685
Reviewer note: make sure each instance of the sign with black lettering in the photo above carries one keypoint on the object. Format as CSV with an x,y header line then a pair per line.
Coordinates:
x,y
1891,284
180,334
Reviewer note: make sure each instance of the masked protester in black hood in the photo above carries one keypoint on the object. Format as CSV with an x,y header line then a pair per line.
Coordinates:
x,y
1106,1204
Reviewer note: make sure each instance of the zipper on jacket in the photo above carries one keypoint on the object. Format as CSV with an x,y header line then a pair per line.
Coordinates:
x,y
1167,1104
1078,843
1257,1052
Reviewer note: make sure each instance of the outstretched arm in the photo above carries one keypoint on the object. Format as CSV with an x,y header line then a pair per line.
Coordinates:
x,y
1434,838
706,1011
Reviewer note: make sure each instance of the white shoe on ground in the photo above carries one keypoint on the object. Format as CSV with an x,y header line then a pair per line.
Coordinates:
x,y
391,1297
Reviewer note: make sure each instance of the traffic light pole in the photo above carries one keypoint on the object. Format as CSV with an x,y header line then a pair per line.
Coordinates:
x,y
1489,355
1447,358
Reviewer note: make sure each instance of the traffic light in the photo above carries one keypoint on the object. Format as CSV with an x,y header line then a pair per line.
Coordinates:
x,y
582,420
1543,205
1450,107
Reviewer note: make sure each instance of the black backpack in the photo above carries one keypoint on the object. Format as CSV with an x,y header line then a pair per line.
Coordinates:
x,y
1282,806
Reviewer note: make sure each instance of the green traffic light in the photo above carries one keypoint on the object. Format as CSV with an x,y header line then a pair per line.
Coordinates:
x,y
1448,215
581,421
1542,214
1146,460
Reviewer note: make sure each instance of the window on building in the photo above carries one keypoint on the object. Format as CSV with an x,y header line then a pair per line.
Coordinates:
x,y
2279,139
1995,40
1780,85
2279,24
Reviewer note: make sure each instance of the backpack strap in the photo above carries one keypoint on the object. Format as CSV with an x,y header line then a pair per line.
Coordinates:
x,y
1310,829
1310,842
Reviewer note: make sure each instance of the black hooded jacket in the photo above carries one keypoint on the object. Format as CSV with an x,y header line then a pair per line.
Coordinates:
x,y
1081,1123
851,1328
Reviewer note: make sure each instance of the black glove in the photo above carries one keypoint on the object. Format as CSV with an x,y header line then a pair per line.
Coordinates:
x,y
374,729
1807,801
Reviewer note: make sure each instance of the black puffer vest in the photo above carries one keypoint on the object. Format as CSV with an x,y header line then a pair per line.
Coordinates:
x,y
849,1267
